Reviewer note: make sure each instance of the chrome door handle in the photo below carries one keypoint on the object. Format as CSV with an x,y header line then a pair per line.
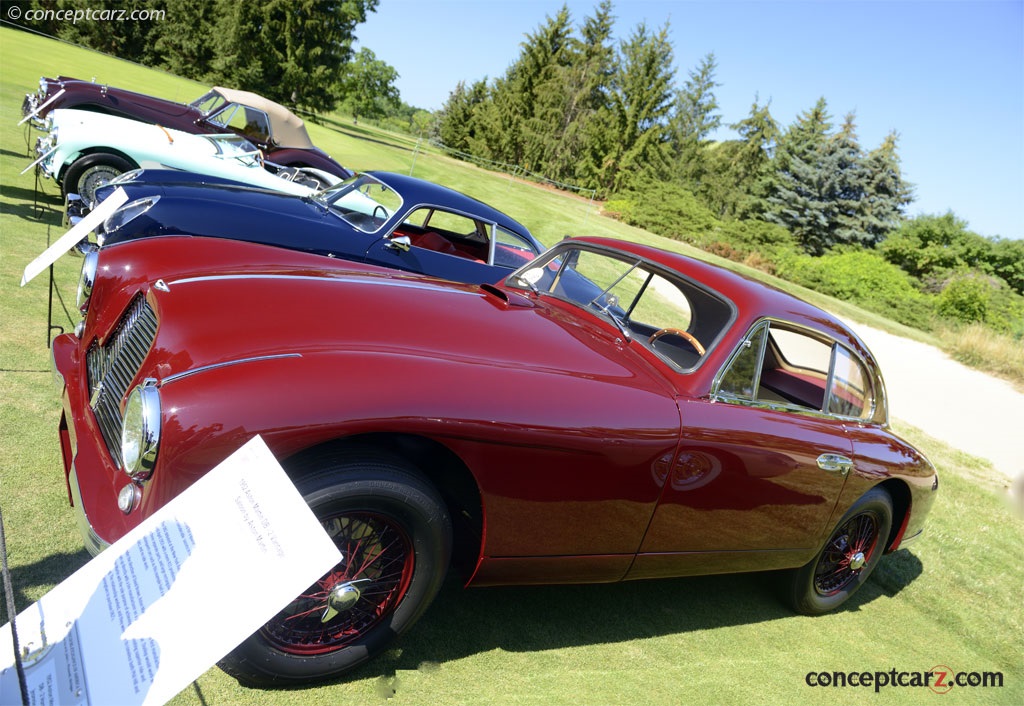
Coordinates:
x,y
835,463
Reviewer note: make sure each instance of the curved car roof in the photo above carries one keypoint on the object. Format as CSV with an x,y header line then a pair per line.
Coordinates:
x,y
287,128
421,192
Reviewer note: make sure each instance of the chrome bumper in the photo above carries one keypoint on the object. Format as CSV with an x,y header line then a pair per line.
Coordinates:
x,y
69,449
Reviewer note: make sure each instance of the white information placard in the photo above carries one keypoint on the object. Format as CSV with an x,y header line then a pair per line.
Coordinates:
x,y
74,235
150,614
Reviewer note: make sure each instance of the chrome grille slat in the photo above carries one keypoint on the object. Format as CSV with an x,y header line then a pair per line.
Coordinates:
x,y
112,367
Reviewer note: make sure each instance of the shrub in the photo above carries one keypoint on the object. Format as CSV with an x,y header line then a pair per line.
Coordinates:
x,y
864,278
965,298
970,297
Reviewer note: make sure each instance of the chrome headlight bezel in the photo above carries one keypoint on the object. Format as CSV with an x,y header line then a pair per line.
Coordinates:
x,y
128,213
87,279
140,431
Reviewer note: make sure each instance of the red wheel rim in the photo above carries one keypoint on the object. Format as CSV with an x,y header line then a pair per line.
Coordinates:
x,y
371,579
848,552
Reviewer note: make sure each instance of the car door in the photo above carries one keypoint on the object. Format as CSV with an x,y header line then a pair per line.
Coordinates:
x,y
761,463
439,243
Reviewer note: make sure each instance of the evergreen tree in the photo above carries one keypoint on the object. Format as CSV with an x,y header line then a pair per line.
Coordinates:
x,y
641,106
888,194
752,163
455,120
540,83
291,51
695,119
128,40
184,43
585,85
797,201
843,178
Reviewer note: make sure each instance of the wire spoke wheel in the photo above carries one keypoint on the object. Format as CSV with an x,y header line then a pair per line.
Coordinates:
x,y
394,534
362,590
851,553
846,554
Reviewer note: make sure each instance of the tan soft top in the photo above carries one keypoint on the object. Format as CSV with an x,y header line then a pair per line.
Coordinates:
x,y
287,128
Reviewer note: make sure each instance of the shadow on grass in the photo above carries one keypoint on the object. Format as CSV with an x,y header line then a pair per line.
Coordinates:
x,y
27,154
42,573
461,622
32,204
358,132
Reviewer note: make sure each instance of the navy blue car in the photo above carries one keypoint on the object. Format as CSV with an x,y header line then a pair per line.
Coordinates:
x,y
380,218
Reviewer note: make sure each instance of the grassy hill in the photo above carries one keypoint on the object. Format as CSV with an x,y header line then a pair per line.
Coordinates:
x,y
951,599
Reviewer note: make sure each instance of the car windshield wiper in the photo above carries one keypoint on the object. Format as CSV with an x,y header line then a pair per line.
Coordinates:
x,y
607,310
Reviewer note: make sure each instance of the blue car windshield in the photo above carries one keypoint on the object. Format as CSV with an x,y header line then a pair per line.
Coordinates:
x,y
362,201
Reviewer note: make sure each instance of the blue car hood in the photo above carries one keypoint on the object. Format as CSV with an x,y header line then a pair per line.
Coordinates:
x,y
239,213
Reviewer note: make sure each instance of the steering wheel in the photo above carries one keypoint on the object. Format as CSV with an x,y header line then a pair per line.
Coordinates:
x,y
260,159
690,338
382,210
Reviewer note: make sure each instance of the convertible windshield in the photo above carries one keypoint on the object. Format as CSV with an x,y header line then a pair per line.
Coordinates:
x,y
671,315
208,102
230,146
362,201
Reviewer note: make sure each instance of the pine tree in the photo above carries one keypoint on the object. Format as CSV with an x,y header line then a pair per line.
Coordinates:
x,y
184,43
753,162
797,201
291,51
641,105
695,119
888,194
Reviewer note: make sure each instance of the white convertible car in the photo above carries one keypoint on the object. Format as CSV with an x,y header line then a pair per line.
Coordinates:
x,y
83,150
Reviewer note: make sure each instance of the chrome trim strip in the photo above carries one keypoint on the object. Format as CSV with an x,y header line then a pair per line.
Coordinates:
x,y
310,278
93,542
178,376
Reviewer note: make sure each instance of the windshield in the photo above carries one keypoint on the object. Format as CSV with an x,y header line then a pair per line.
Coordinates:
x,y
672,316
230,146
208,102
362,201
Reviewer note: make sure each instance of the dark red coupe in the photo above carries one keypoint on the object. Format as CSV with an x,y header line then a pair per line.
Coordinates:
x,y
609,412
270,126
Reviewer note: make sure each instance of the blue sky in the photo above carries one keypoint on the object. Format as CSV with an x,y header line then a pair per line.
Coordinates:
x,y
948,76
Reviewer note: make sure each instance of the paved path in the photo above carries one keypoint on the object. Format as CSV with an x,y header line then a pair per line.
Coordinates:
x,y
967,409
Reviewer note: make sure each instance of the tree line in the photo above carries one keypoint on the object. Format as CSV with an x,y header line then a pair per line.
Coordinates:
x,y
296,52
579,107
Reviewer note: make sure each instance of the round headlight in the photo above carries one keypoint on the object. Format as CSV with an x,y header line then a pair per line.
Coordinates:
x,y
128,212
87,279
140,432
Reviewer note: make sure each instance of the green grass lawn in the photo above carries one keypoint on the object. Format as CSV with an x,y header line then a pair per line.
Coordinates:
x,y
953,598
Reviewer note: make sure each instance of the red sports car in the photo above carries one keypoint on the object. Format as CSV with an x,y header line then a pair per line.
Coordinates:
x,y
270,126
609,412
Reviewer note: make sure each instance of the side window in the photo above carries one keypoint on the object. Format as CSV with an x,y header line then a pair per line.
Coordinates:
x,y
741,379
511,250
450,223
791,368
849,394
251,123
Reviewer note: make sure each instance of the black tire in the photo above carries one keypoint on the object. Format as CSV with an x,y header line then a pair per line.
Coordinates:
x,y
366,501
88,173
851,553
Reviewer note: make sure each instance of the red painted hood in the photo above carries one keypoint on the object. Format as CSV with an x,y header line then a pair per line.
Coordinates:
x,y
400,320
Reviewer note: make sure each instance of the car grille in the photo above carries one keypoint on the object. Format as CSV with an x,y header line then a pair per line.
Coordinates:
x,y
112,367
